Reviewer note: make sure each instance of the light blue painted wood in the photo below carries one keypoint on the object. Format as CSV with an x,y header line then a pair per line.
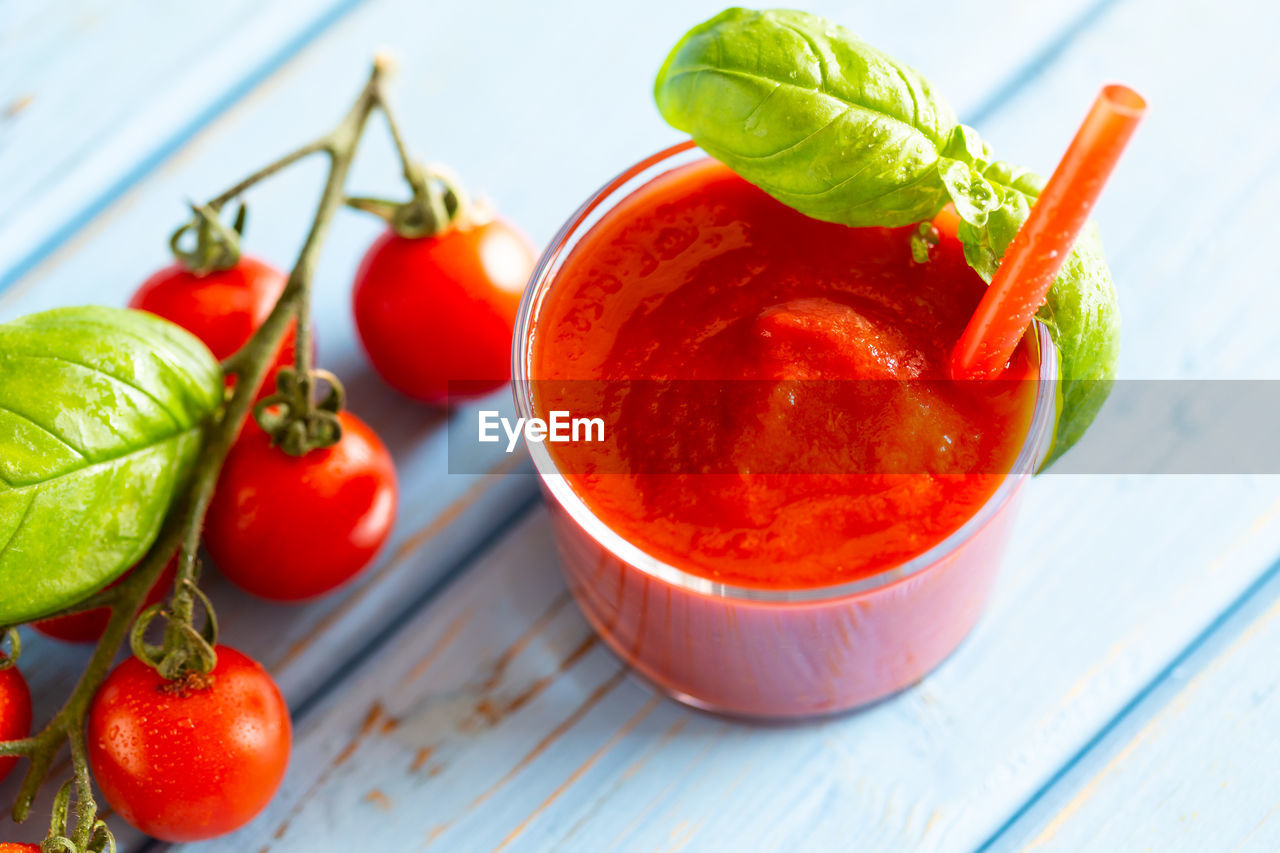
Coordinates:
x,y
1200,773
593,758
94,93
442,516
494,712
1108,579
1194,753
539,146
1201,283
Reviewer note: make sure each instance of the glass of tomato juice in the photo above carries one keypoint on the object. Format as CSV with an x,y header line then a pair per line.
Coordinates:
x,y
769,595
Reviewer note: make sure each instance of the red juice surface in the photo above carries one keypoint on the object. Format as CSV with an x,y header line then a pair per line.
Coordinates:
x,y
790,354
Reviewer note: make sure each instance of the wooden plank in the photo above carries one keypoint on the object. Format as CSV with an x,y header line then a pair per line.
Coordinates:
x,y
1107,580
443,516
84,113
94,93
570,137
494,716
1193,762
1210,787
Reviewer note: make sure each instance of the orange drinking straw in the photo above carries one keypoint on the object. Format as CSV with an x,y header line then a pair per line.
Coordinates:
x,y
1023,279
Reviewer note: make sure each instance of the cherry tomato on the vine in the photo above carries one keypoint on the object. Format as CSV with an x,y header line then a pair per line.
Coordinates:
x,y
87,627
288,528
223,308
18,847
188,761
435,309
15,712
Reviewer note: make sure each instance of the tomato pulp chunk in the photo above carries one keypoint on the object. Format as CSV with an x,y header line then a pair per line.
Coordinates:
x,y
774,387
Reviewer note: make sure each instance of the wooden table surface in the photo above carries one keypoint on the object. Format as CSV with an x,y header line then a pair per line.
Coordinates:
x,y
1120,692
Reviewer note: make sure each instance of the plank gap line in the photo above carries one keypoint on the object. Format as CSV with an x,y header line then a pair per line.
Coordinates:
x,y
1162,678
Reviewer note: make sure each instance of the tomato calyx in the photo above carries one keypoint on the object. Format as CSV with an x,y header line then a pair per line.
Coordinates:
x,y
439,202
100,839
217,247
296,423
186,684
186,653
15,648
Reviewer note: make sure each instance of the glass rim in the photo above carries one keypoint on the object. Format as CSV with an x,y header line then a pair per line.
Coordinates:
x,y
1032,453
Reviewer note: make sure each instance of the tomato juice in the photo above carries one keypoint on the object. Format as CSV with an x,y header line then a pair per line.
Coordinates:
x,y
794,512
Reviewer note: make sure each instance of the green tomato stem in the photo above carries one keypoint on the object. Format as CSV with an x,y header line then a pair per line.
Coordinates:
x,y
341,147
254,360
219,201
180,532
86,808
43,747
438,198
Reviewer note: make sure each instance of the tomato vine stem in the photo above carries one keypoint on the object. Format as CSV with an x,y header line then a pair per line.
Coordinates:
x,y
314,147
183,650
438,198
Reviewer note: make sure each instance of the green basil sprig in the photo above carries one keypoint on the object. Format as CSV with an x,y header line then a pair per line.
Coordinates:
x,y
101,418
1080,311
822,121
834,128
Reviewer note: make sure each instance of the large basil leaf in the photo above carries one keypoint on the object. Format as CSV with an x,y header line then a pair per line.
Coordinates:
x,y
832,127
101,418
1081,311
821,121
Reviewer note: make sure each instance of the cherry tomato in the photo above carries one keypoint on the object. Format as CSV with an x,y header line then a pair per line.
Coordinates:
x,y
288,528
443,308
189,761
223,308
87,627
18,847
15,712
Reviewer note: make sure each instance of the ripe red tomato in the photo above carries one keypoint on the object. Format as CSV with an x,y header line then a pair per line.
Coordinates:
x,y
288,528
223,308
443,308
15,712
18,847
189,762
87,627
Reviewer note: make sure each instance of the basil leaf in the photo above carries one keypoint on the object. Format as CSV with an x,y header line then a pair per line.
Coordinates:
x,y
1081,310
101,419
832,127
821,121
